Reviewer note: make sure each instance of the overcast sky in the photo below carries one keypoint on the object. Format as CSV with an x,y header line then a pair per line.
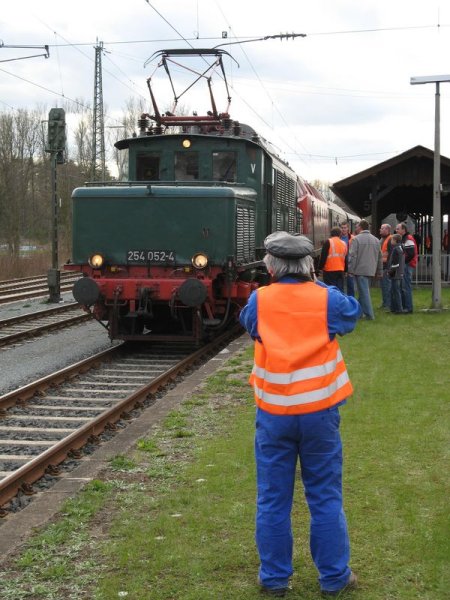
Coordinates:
x,y
333,103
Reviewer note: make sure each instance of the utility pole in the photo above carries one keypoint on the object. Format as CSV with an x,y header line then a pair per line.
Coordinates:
x,y
98,128
56,144
436,225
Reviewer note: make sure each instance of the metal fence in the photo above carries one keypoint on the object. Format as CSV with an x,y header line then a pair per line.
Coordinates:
x,y
423,272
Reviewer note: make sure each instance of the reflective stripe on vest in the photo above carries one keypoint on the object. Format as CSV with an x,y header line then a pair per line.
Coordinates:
x,y
384,247
300,374
305,397
297,368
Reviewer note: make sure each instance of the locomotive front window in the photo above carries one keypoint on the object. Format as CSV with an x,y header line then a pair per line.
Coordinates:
x,y
186,166
147,167
224,166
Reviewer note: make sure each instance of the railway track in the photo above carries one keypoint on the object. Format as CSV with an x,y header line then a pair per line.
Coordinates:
x,y
30,325
32,287
43,423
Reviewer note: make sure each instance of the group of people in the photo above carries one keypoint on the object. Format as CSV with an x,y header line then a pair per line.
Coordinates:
x,y
300,381
348,258
399,261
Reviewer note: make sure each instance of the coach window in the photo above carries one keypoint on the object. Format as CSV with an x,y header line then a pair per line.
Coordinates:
x,y
186,166
224,166
147,167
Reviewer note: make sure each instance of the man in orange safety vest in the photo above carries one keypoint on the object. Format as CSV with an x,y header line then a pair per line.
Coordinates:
x,y
299,380
332,259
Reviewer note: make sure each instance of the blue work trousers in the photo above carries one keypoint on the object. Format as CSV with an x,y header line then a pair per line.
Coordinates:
x,y
280,441
350,285
386,289
407,298
363,284
396,296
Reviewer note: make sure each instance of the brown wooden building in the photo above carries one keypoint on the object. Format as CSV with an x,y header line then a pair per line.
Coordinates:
x,y
402,185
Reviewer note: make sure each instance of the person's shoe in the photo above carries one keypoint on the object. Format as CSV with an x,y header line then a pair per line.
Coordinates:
x,y
275,592
351,584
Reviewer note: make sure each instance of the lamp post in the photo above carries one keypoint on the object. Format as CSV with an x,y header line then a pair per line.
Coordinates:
x,y
436,225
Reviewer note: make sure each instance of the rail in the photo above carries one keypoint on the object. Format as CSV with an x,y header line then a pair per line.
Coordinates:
x,y
24,476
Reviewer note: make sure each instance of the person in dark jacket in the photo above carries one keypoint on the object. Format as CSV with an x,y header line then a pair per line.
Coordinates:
x,y
347,236
385,243
410,251
395,269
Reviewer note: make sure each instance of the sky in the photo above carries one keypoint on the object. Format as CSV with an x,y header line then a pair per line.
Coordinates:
x,y
333,103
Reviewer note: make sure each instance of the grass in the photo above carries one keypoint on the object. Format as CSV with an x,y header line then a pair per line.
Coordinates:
x,y
176,517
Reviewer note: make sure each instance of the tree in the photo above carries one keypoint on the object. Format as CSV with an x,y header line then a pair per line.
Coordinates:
x,y
19,146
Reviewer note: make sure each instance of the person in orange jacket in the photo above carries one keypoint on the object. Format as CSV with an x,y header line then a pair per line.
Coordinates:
x,y
333,259
300,381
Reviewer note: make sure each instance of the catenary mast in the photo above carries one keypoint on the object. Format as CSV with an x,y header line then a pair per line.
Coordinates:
x,y
98,127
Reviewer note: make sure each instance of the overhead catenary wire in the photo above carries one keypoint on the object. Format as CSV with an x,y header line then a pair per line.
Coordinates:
x,y
263,86
187,39
301,156
437,27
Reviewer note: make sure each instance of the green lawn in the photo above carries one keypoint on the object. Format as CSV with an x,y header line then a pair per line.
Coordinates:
x,y
175,520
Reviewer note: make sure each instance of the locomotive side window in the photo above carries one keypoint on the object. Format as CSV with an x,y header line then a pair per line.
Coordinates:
x,y
147,167
186,166
224,166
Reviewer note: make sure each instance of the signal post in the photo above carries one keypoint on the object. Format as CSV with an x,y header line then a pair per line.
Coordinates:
x,y
56,143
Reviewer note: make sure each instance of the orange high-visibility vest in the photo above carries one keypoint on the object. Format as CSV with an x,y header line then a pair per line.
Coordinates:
x,y
384,248
336,255
297,368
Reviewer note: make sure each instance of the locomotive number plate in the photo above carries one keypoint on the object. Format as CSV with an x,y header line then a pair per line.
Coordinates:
x,y
143,257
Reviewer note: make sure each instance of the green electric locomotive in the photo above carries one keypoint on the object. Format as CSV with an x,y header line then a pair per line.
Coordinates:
x,y
176,250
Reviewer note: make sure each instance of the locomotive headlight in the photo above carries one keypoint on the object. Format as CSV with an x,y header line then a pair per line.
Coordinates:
x,y
186,143
200,260
96,261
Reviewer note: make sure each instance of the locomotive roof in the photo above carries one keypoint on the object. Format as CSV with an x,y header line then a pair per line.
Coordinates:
x,y
137,190
247,133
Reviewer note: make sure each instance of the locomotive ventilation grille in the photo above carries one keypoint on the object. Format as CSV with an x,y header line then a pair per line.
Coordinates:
x,y
245,234
284,202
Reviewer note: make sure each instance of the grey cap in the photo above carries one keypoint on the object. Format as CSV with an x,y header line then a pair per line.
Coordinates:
x,y
286,245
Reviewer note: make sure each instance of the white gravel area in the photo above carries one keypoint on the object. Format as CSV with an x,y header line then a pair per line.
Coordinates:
x,y
27,361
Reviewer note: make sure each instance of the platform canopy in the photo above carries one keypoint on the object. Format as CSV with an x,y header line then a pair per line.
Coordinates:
x,y
402,185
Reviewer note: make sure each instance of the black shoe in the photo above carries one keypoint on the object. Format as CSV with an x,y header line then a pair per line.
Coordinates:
x,y
275,592
351,584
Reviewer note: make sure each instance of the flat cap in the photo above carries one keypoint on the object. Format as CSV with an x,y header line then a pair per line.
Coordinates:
x,y
286,245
